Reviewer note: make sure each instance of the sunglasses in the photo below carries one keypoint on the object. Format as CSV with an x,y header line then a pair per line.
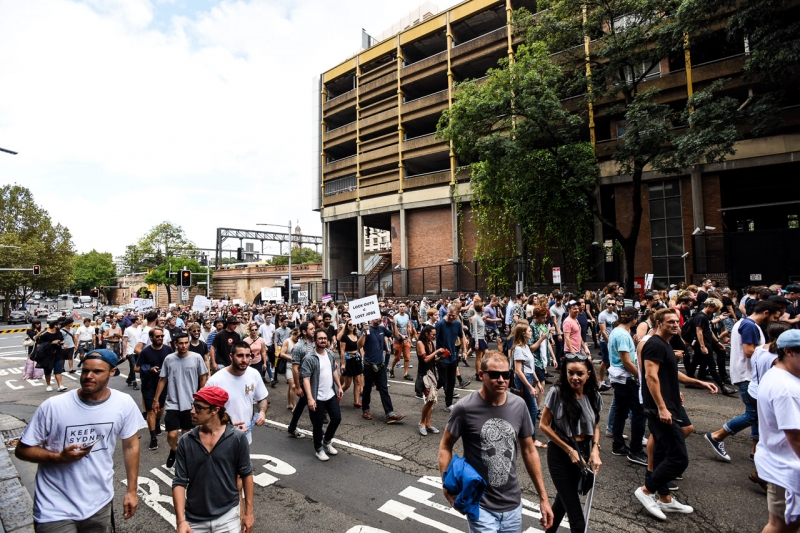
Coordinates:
x,y
497,374
576,356
158,336
198,407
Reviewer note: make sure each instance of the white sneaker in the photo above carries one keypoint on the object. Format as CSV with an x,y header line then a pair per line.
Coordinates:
x,y
321,455
423,431
49,389
644,441
675,507
62,388
330,449
650,503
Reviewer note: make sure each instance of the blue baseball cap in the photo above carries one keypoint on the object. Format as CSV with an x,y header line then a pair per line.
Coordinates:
x,y
105,355
789,338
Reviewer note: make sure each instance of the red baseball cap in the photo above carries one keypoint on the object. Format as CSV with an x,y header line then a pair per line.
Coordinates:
x,y
212,395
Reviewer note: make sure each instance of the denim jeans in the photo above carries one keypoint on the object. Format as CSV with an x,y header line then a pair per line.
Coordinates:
x,y
748,418
612,411
494,522
530,400
378,379
626,396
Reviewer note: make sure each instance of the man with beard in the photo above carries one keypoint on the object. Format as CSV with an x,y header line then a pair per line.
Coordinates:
x,y
149,365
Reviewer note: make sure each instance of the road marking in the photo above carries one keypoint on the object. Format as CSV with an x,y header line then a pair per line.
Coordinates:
x,y
403,511
154,499
346,444
423,496
365,529
14,387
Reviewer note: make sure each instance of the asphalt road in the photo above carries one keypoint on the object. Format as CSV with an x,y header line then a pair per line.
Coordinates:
x,y
385,476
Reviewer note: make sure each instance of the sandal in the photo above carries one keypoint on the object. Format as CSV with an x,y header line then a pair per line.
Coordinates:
x,y
358,404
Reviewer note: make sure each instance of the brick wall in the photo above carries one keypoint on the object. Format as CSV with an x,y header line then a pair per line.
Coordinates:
x,y
429,234
712,201
688,222
623,204
467,234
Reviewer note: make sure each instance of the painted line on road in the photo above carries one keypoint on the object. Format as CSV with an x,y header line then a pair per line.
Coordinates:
x,y
412,383
373,451
403,511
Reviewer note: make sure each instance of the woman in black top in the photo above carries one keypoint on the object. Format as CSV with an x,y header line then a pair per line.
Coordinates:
x,y
31,372
570,420
351,359
427,357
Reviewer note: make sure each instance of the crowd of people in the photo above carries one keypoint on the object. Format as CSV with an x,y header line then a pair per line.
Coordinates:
x,y
207,375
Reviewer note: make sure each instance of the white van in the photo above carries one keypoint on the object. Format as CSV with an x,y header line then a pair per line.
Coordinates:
x,y
85,300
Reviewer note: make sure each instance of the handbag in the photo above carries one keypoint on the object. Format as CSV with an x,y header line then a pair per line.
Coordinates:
x,y
27,342
586,479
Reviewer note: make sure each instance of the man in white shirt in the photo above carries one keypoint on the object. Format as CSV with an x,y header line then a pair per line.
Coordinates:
x,y
267,332
72,438
85,339
129,340
323,389
245,389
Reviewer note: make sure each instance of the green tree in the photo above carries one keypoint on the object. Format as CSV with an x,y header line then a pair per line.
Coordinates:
x,y
160,275
26,225
530,163
629,40
163,241
300,256
93,269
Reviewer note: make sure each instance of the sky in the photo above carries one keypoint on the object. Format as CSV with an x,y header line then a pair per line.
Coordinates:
x,y
127,113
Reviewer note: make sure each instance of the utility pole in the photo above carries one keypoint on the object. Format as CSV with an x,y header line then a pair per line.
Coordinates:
x,y
289,296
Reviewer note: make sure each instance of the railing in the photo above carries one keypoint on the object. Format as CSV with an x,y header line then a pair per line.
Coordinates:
x,y
347,183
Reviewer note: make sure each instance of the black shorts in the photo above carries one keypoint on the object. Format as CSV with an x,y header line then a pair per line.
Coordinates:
x,y
148,395
353,367
67,353
175,420
684,419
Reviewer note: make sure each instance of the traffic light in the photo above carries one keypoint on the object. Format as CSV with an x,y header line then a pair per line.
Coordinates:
x,y
186,278
240,254
94,293
37,270
102,287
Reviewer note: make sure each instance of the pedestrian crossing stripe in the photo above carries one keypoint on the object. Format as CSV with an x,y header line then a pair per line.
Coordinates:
x,y
23,330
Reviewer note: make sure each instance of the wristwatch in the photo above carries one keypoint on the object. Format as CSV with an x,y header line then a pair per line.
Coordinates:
x,y
597,444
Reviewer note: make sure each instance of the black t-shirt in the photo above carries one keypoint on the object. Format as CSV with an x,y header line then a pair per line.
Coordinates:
x,y
701,321
659,351
702,296
727,303
201,349
223,343
148,358
50,351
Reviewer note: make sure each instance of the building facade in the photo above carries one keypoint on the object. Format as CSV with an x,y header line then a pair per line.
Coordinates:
x,y
382,167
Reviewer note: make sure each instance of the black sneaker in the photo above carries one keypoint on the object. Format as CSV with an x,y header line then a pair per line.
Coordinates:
x,y
274,384
465,383
135,386
638,458
622,451
153,443
391,374
672,486
158,428
171,459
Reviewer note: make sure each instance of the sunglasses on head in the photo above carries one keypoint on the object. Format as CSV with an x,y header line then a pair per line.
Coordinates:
x,y
576,356
497,374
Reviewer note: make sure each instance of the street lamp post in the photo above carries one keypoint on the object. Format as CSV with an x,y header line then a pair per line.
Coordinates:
x,y
289,234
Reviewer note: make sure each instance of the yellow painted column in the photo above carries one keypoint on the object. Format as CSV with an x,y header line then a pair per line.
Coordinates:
x,y
688,57
324,96
400,130
509,22
586,42
450,97
358,129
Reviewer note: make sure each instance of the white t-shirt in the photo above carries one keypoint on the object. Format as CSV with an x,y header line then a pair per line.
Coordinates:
x,y
243,392
743,332
267,333
761,362
523,353
133,335
76,491
778,410
85,334
325,389
334,316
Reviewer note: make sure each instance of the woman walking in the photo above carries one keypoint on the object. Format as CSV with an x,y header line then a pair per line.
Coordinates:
x,y
286,354
427,357
352,363
570,419
31,372
258,349
477,329
524,378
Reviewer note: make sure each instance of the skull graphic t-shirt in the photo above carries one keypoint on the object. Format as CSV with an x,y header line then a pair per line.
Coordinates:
x,y
490,435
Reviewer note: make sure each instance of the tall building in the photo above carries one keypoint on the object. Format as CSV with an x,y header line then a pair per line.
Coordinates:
x,y
380,165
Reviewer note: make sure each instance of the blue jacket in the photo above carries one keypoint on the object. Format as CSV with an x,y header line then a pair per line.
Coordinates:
x,y
463,480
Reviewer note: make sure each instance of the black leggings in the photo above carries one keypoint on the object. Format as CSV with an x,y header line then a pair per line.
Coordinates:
x,y
565,476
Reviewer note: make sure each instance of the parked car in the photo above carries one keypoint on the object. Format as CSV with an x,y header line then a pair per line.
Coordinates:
x,y
41,312
53,316
77,305
18,317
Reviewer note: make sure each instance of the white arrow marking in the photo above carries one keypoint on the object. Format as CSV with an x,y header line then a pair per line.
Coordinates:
x,y
365,529
403,511
422,496
154,498
264,479
275,465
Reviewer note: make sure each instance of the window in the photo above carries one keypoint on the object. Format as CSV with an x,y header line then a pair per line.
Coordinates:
x,y
666,233
793,224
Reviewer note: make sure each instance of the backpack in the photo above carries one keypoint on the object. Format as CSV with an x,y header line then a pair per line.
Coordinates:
x,y
689,331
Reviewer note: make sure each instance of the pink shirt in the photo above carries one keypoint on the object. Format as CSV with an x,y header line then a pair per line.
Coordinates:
x,y
572,329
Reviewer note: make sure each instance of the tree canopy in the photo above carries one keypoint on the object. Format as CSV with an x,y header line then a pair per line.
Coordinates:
x,y
93,269
160,275
300,256
161,242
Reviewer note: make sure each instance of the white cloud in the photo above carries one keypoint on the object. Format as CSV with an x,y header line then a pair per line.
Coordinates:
x,y
129,112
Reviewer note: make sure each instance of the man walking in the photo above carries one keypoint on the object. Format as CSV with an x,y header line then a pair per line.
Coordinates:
x,y
210,460
605,322
85,339
662,406
129,339
746,336
557,311
403,333
373,342
323,390
267,332
149,364
304,347
281,334
495,428
245,389
182,374
72,438
448,331
220,355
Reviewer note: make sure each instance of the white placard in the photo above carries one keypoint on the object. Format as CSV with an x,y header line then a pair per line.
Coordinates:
x,y
648,282
142,305
200,303
556,274
364,309
271,293
302,296
237,301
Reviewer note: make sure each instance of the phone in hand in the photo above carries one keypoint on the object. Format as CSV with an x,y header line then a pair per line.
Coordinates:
x,y
92,443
